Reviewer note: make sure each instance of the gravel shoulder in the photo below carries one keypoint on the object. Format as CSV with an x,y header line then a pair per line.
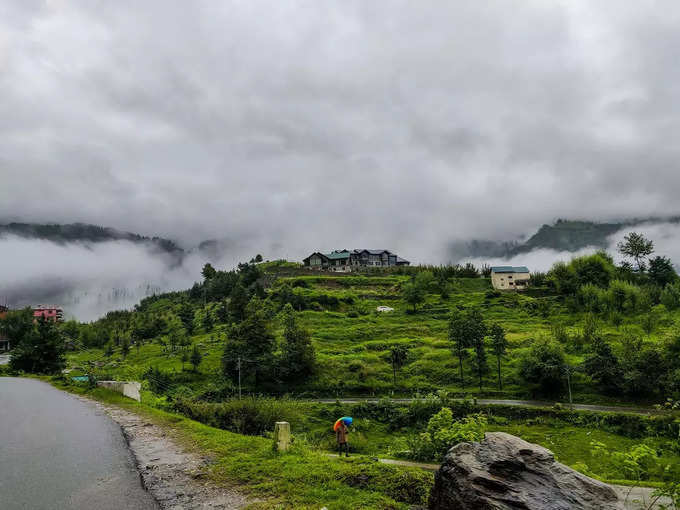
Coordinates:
x,y
173,476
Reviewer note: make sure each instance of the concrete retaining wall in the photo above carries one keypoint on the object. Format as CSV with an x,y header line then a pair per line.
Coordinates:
x,y
129,389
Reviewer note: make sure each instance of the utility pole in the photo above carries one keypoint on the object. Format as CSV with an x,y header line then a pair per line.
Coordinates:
x,y
238,365
568,369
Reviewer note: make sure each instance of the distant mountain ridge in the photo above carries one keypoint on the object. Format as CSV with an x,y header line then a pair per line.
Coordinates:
x,y
84,232
563,235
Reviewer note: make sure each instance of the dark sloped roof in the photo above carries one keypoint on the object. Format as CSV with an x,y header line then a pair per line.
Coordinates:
x,y
372,252
316,253
509,269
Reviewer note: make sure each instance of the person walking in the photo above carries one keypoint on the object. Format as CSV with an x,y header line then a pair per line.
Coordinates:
x,y
341,435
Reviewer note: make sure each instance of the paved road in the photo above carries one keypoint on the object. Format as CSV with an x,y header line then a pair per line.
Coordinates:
x,y
529,403
57,452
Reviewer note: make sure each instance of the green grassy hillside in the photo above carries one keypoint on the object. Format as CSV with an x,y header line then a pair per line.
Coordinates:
x,y
352,340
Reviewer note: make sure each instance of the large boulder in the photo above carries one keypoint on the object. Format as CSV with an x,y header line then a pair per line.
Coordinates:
x,y
505,472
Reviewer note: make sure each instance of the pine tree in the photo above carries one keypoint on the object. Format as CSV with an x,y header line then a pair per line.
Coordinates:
x,y
298,359
238,303
196,357
253,341
500,344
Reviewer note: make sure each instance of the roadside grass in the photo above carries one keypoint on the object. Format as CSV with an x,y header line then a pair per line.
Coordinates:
x,y
302,478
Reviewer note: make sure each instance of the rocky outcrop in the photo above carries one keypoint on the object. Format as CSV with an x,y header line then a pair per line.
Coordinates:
x,y
504,472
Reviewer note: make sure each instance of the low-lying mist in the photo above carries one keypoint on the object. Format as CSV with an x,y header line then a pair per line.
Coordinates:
x,y
89,279
666,237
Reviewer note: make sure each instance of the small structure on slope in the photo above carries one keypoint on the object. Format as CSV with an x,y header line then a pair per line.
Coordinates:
x,y
510,277
504,472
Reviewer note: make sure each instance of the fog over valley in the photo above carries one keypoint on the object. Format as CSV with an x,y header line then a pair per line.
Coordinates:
x,y
89,279
289,127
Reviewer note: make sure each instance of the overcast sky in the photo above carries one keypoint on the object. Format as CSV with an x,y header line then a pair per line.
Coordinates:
x,y
302,125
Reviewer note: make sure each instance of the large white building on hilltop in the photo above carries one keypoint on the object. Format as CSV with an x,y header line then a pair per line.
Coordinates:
x,y
346,260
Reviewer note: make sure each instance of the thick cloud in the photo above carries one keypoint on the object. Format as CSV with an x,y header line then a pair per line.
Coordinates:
x,y
300,125
89,279
665,236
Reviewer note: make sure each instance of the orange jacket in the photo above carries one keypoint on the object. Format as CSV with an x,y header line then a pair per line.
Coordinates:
x,y
341,434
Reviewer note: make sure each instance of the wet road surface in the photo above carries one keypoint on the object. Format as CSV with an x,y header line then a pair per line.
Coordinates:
x,y
57,452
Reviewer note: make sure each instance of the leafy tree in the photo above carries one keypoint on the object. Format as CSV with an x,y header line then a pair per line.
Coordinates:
x,y
481,365
415,291
70,329
41,350
17,325
443,286
604,368
591,331
466,329
661,271
208,272
298,359
253,341
637,247
544,365
184,358
644,371
196,357
499,344
108,352
596,269
398,357
563,277
249,274
258,258
413,295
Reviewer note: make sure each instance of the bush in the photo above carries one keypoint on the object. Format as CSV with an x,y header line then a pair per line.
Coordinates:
x,y
442,433
592,298
624,296
670,296
250,415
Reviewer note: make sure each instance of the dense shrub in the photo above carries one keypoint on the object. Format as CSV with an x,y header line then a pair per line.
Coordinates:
x,y
624,296
670,296
443,432
418,412
250,415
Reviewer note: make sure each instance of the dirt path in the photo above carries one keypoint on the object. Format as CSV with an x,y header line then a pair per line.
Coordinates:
x,y
174,477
